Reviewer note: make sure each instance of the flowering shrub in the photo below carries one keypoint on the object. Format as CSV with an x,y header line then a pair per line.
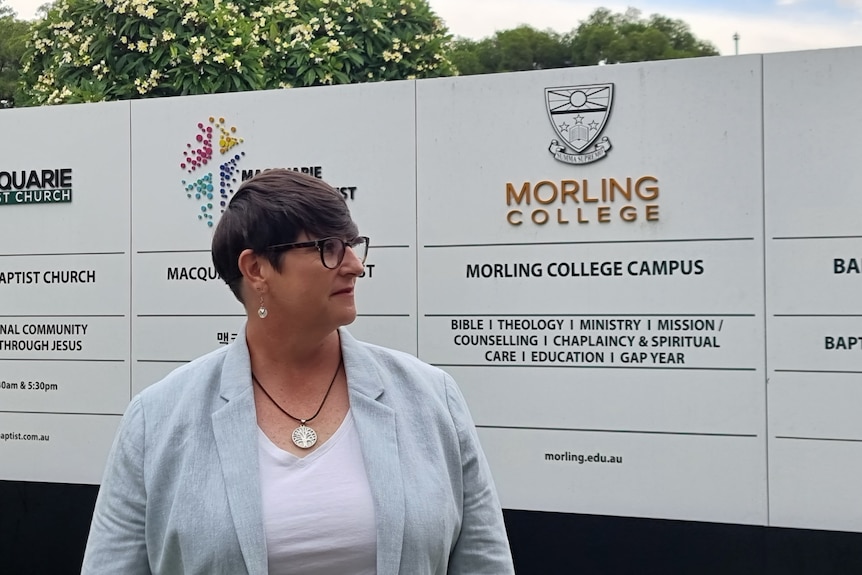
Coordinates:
x,y
94,50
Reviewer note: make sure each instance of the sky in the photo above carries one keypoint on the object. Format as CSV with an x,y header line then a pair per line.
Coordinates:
x,y
762,25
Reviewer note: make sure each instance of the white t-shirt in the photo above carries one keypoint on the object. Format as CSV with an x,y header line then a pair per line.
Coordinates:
x,y
318,512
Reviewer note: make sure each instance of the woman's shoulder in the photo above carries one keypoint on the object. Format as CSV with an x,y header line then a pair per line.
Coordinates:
x,y
420,391
388,355
189,382
403,375
388,360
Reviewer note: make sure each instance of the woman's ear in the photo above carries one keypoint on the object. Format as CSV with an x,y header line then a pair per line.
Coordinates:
x,y
253,268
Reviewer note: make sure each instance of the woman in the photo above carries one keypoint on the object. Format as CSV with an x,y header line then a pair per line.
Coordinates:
x,y
297,449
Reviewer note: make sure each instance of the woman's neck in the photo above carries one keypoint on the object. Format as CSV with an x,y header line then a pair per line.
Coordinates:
x,y
284,354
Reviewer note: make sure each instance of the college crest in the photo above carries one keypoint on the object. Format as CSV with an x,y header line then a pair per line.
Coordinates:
x,y
579,114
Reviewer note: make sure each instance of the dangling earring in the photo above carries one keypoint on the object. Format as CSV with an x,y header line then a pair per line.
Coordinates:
x,y
262,312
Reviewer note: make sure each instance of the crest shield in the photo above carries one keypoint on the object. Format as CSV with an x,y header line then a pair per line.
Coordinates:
x,y
579,113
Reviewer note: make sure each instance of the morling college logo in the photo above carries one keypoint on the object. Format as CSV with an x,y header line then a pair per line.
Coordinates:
x,y
579,114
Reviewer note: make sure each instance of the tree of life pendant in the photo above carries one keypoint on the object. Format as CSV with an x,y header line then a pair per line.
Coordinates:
x,y
304,437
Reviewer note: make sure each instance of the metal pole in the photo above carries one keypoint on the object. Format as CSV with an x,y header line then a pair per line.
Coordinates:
x,y
736,43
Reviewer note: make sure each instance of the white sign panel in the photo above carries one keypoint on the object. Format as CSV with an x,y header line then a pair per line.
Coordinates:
x,y
191,155
814,278
64,289
589,270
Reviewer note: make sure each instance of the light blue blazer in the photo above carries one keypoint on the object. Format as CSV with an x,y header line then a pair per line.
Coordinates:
x,y
181,492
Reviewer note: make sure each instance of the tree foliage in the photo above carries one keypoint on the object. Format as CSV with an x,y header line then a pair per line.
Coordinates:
x,y
522,48
604,37
94,50
13,36
611,38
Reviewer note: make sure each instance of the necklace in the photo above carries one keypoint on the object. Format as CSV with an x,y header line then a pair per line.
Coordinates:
x,y
303,436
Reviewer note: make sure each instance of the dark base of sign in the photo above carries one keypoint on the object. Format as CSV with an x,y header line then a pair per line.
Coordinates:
x,y
552,543
44,526
43,529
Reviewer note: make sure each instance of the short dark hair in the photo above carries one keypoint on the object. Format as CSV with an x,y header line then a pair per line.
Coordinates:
x,y
274,207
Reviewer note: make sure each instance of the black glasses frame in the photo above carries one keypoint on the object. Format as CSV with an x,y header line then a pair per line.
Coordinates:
x,y
319,245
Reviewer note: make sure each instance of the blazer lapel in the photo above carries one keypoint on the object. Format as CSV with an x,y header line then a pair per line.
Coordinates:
x,y
235,430
376,426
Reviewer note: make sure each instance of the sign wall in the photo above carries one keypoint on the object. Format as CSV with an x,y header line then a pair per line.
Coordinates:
x,y
639,274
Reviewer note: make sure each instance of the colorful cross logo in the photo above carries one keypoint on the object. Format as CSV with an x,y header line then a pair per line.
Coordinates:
x,y
213,197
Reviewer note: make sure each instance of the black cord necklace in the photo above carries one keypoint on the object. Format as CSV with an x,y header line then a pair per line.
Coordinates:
x,y
303,436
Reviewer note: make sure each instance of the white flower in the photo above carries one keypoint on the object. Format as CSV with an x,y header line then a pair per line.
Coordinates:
x,y
145,11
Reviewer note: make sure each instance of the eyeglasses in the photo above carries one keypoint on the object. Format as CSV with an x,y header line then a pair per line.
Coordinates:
x,y
331,249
